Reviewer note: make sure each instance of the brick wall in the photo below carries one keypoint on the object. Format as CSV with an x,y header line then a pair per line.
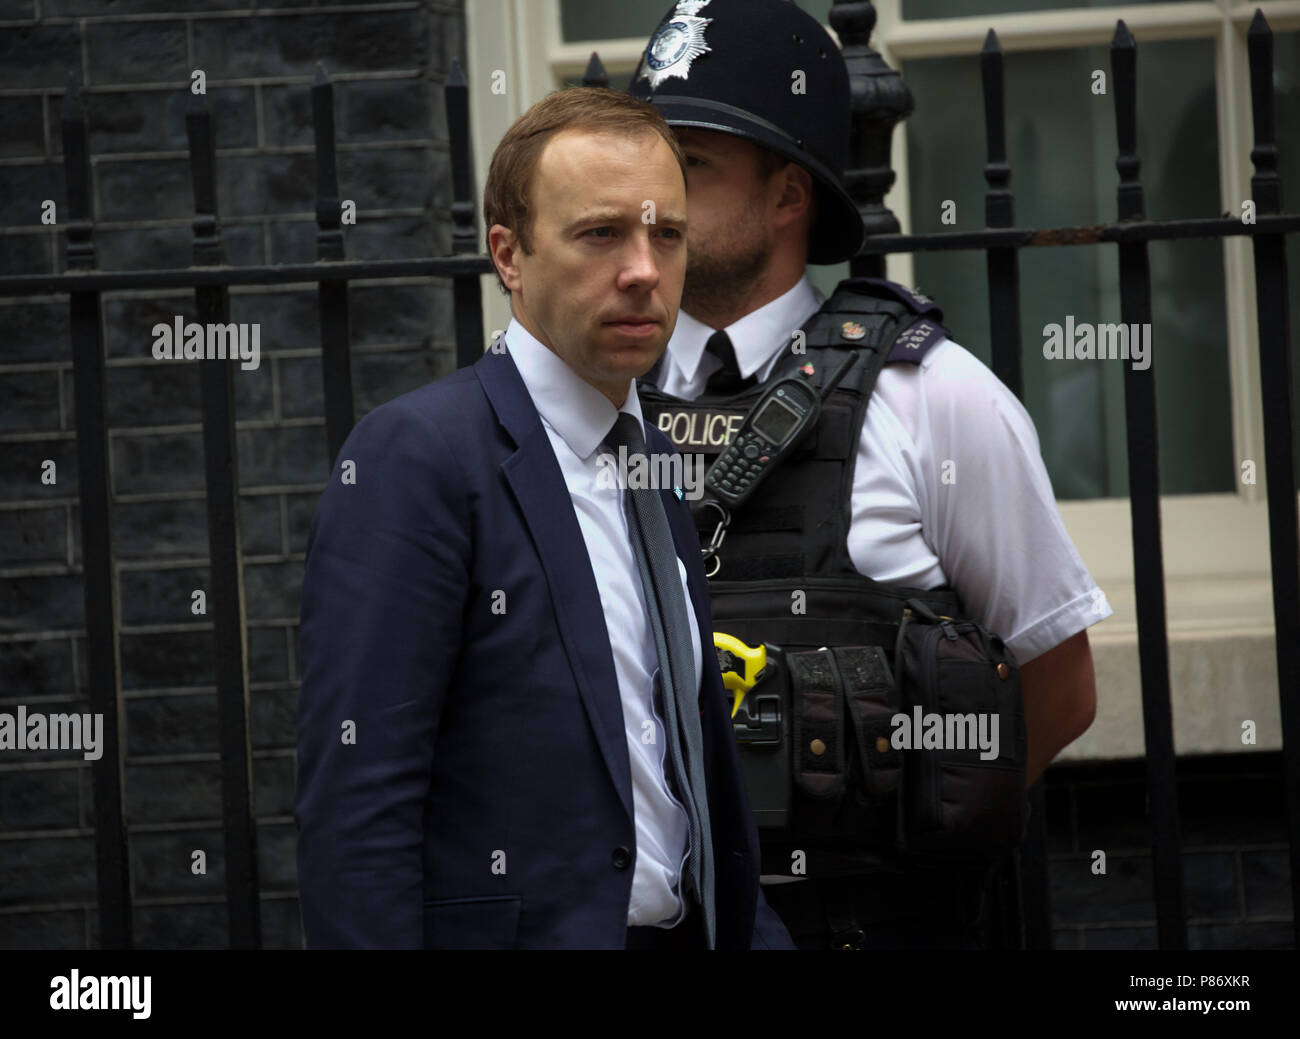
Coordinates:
x,y
1236,879
135,58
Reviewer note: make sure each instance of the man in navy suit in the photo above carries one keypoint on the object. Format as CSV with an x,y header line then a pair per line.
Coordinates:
x,y
483,754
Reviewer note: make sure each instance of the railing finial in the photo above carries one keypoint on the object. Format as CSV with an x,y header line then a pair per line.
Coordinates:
x,y
879,100
595,75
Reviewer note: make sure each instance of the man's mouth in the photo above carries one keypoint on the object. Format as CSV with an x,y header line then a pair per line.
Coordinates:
x,y
634,325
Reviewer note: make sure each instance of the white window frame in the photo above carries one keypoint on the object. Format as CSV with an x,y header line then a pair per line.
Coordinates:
x,y
1215,545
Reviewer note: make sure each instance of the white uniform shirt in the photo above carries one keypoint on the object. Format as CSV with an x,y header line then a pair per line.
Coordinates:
x,y
577,417
994,533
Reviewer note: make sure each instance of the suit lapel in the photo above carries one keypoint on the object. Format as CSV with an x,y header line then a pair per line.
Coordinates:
x,y
538,485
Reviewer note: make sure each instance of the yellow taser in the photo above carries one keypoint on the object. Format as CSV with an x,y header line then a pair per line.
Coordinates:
x,y
742,666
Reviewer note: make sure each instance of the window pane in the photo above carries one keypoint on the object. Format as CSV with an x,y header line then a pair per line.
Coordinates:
x,y
914,9
1061,144
819,9
603,20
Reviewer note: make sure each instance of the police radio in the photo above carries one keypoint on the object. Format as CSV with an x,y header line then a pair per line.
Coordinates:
x,y
776,423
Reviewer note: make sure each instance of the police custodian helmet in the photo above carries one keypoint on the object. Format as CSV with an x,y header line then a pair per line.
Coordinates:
x,y
732,66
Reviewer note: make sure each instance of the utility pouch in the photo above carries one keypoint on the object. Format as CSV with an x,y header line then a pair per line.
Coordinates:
x,y
841,700
872,700
962,736
817,696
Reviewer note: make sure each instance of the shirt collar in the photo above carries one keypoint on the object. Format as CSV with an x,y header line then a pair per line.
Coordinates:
x,y
575,409
756,337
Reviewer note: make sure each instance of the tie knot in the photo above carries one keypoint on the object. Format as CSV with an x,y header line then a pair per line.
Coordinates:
x,y
725,380
626,432
719,345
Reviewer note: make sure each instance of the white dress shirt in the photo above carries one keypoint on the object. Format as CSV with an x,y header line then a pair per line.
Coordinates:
x,y
577,417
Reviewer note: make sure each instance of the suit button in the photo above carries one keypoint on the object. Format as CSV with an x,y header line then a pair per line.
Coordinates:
x,y
622,858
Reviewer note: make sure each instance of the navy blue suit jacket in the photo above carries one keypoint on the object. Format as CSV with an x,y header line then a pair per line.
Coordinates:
x,y
463,776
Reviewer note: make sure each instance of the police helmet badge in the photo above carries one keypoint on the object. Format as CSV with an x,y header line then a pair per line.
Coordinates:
x,y
676,43
852,330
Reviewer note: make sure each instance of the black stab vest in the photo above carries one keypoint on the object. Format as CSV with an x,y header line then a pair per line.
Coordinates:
x,y
792,536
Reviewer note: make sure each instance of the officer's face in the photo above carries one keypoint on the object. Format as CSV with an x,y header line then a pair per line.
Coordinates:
x,y
732,207
603,282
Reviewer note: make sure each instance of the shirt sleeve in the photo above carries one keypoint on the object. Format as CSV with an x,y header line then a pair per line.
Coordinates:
x,y
988,510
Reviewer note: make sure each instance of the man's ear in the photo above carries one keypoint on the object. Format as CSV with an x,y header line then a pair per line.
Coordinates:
x,y
504,247
796,198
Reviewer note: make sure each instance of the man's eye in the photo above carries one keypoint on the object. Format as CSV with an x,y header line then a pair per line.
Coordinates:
x,y
597,231
694,160
672,232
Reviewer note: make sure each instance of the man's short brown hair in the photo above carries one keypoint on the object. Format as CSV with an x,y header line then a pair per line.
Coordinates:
x,y
589,109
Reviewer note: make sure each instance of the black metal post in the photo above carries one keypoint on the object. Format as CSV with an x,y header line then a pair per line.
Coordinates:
x,y
595,74
332,296
1026,913
1275,376
999,211
466,290
220,464
879,99
1144,498
99,569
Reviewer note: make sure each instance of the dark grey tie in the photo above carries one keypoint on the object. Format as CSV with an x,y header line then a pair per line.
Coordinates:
x,y
726,381
652,545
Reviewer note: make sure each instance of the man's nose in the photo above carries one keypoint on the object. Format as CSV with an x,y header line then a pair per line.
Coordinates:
x,y
640,265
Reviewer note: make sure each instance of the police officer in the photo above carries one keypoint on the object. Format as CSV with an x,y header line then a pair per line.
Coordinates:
x,y
936,490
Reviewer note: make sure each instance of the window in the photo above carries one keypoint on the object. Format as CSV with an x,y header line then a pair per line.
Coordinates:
x,y
1061,146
